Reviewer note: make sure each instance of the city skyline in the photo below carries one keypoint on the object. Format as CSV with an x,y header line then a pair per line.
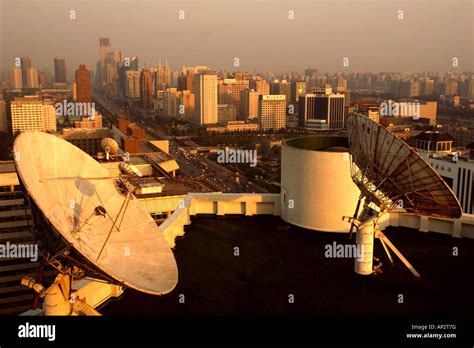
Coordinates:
x,y
262,37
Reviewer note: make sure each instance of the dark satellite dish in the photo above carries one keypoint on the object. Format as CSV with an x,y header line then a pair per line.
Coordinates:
x,y
390,174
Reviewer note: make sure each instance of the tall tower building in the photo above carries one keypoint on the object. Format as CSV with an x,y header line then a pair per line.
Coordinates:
x,y
74,91
3,116
146,89
25,63
426,87
272,112
32,78
83,84
132,84
282,87
298,89
162,77
258,84
228,92
59,70
249,103
321,110
205,98
42,79
167,74
17,81
134,63
451,88
470,89
104,44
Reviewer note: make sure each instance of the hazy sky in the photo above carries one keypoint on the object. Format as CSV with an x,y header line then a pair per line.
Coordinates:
x,y
259,33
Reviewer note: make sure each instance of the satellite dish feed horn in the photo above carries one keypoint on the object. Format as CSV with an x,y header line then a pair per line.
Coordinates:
x,y
390,175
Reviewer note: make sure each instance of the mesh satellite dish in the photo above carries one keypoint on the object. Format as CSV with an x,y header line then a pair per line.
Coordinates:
x,y
109,229
390,174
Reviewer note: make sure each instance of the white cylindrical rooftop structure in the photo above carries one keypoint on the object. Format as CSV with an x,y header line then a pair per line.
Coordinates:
x,y
316,185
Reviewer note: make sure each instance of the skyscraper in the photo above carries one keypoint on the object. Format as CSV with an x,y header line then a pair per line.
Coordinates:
x,y
134,63
104,44
3,116
146,89
59,70
229,92
17,80
298,89
249,103
272,112
282,87
321,110
132,84
205,98
32,78
451,88
162,77
426,87
83,84
25,63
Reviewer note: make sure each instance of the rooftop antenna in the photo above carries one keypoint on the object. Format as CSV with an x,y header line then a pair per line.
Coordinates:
x,y
109,232
390,175
110,147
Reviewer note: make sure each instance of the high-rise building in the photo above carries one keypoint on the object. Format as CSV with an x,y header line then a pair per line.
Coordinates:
x,y
341,84
31,113
104,44
205,98
74,91
162,77
470,90
186,102
309,73
59,70
3,117
272,112
249,103
414,88
17,80
282,87
228,92
185,81
426,87
451,88
298,89
258,84
146,89
112,61
171,102
83,84
42,79
25,63
167,74
226,113
178,104
32,78
132,84
134,63
321,110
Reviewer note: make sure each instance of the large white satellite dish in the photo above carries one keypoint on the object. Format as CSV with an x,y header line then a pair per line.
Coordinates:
x,y
110,229
390,174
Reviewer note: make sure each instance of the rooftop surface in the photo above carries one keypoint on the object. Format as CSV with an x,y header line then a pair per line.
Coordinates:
x,y
277,259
